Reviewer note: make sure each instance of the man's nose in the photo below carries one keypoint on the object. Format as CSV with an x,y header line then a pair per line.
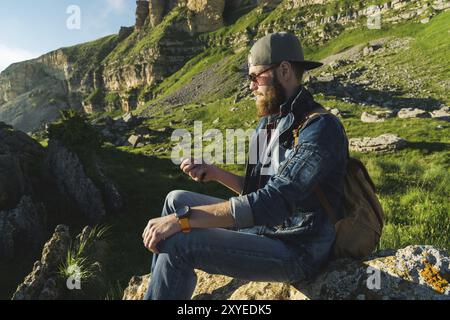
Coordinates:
x,y
253,85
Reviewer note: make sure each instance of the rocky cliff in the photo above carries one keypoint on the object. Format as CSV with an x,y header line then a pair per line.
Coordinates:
x,y
123,71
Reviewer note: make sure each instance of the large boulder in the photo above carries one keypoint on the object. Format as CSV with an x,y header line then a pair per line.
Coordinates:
x,y
407,113
74,183
413,273
92,192
380,144
377,116
22,215
20,157
441,114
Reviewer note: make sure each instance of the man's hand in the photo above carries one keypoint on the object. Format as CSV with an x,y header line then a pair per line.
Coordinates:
x,y
160,229
198,172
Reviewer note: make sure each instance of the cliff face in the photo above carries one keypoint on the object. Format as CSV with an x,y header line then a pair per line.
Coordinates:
x,y
121,71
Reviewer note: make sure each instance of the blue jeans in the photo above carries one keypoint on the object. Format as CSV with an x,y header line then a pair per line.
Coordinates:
x,y
227,252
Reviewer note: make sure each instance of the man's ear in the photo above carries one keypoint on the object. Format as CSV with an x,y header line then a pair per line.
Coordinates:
x,y
286,70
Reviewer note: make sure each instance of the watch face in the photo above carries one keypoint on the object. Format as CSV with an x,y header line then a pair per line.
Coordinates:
x,y
183,212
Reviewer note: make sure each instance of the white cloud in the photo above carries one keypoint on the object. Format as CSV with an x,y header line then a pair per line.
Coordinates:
x,y
11,55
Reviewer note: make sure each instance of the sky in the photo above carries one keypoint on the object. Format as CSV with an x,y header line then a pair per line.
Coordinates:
x,y
30,28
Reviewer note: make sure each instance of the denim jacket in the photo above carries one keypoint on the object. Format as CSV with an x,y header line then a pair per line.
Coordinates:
x,y
284,205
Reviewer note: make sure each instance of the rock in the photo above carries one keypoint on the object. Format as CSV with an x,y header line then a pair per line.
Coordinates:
x,y
335,111
164,130
73,182
406,113
412,273
134,140
367,50
120,125
339,63
21,228
441,114
128,118
383,143
377,116
12,180
325,78
142,130
207,15
43,282
22,183
54,278
142,11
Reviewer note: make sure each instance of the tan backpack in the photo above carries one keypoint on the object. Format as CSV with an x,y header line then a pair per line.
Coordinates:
x,y
358,232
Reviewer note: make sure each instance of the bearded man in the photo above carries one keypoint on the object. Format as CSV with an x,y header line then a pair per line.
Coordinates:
x,y
275,229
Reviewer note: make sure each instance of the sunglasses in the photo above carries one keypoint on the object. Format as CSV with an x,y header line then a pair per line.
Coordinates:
x,y
254,77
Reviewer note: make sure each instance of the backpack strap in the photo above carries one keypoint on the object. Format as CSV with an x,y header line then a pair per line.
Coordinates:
x,y
325,204
307,120
317,190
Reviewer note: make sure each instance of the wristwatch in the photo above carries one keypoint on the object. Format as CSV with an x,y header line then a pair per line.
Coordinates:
x,y
183,215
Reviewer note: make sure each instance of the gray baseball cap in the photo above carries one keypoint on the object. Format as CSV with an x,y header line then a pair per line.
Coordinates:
x,y
278,47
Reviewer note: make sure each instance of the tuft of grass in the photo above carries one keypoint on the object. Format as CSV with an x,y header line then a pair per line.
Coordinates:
x,y
82,264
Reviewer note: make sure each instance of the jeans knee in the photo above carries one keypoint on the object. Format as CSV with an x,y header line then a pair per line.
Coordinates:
x,y
175,246
174,200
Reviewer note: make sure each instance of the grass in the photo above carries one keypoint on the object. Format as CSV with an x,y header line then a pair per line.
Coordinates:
x,y
83,266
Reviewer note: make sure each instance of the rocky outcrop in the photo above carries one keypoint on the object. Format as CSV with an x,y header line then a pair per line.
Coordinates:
x,y
21,228
55,276
412,273
206,15
142,11
381,144
441,114
406,113
94,200
377,116
74,183
44,282
22,219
